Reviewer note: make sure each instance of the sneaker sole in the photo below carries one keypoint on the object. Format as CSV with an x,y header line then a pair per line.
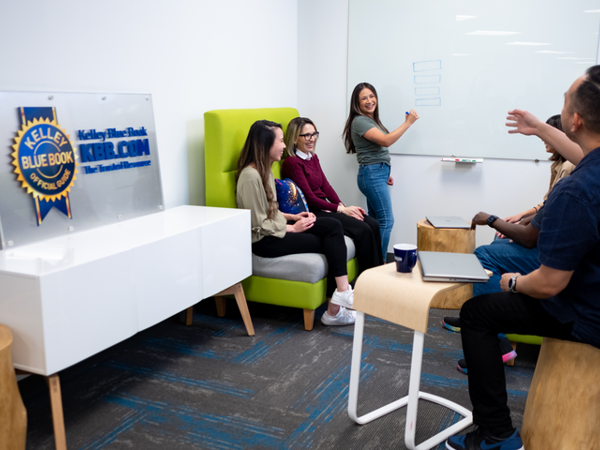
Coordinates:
x,y
460,369
509,356
336,324
450,327
344,304
454,448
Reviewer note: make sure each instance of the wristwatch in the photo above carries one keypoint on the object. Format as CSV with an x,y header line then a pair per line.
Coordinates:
x,y
512,284
491,220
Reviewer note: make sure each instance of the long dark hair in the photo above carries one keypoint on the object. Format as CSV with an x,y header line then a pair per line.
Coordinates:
x,y
355,111
556,123
256,150
294,129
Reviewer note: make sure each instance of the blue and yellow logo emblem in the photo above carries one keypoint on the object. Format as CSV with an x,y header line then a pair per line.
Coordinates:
x,y
44,160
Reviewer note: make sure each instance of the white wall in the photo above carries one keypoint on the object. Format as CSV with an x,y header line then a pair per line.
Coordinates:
x,y
192,56
423,185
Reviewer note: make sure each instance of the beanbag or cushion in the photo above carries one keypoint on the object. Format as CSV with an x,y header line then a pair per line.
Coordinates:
x,y
290,197
307,267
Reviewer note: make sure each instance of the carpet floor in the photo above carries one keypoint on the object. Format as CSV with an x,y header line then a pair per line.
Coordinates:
x,y
210,386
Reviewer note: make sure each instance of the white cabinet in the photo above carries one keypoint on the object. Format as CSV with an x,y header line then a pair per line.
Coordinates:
x,y
67,298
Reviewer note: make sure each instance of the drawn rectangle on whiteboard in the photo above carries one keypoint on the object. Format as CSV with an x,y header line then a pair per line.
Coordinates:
x,y
427,65
427,91
428,79
437,101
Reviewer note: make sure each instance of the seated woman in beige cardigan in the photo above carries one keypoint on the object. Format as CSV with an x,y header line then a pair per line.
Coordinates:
x,y
277,234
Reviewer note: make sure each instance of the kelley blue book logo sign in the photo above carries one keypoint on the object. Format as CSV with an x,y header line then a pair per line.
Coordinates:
x,y
108,151
44,161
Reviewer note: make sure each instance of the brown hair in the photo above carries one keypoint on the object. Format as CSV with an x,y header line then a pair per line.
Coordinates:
x,y
256,150
355,111
556,123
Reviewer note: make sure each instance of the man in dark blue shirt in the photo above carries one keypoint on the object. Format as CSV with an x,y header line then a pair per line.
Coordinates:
x,y
561,298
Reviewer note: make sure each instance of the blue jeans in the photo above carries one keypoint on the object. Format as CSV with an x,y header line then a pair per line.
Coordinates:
x,y
372,182
503,256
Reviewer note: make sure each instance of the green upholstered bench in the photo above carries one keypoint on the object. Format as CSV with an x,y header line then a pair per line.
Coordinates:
x,y
225,132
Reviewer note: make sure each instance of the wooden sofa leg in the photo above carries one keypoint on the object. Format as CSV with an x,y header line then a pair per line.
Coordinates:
x,y
309,319
189,313
512,361
221,303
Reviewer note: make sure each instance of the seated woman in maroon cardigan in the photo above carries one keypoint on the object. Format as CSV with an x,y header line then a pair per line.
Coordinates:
x,y
303,168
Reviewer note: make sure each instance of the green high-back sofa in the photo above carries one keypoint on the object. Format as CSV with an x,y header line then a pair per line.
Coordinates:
x,y
225,132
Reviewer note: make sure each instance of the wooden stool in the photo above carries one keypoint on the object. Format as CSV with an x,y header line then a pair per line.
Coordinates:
x,y
13,416
453,240
563,405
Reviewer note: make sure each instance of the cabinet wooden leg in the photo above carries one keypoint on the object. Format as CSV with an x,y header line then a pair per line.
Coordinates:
x,y
60,438
238,292
221,303
240,298
309,319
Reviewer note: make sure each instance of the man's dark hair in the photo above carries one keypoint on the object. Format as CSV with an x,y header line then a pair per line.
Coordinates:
x,y
586,100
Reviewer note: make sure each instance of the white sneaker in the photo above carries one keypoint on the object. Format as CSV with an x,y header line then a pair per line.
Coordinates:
x,y
343,317
345,298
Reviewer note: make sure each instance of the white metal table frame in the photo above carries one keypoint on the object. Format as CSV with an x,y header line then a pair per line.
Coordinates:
x,y
411,400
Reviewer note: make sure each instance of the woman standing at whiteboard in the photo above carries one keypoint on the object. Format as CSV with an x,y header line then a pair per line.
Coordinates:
x,y
365,135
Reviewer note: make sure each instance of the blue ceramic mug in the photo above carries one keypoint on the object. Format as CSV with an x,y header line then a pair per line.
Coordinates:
x,y
406,257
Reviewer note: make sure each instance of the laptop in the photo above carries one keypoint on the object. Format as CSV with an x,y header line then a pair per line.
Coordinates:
x,y
448,222
451,267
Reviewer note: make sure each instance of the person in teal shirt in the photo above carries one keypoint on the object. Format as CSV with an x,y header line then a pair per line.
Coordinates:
x,y
365,135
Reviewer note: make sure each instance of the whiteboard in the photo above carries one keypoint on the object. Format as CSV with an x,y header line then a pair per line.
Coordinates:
x,y
463,64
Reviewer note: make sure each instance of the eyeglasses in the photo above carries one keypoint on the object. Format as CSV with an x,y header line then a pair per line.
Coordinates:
x,y
310,136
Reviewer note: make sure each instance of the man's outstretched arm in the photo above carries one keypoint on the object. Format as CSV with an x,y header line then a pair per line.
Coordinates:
x,y
523,122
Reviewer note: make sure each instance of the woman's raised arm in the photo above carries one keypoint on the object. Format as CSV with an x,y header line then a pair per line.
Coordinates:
x,y
385,140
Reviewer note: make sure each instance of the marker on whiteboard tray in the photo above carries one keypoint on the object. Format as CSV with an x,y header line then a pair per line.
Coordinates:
x,y
463,160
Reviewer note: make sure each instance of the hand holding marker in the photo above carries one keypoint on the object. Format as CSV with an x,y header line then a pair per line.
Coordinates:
x,y
411,116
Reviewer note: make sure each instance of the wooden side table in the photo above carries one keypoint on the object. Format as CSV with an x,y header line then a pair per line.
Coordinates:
x,y
13,416
453,240
403,299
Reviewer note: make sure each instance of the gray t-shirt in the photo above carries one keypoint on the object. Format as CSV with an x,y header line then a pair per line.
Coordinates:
x,y
368,152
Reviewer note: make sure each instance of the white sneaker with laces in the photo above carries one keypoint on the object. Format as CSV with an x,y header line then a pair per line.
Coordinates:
x,y
343,317
344,298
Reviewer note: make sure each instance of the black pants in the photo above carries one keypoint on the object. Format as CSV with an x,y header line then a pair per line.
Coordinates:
x,y
366,237
482,318
326,236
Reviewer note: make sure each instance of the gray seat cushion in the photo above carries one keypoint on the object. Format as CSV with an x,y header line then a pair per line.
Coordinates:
x,y
307,267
